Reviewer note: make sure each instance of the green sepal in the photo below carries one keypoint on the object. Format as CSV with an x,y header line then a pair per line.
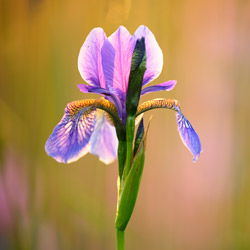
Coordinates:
x,y
129,188
138,68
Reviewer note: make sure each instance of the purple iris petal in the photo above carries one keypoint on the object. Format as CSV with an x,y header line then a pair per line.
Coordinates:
x,y
86,88
123,44
105,63
70,138
153,53
109,95
159,87
108,60
188,135
90,61
103,141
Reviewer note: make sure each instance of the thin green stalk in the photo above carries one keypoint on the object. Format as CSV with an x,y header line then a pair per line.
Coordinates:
x,y
122,148
120,240
130,129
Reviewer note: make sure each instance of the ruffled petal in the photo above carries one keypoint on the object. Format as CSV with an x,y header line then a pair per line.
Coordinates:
x,y
123,44
103,142
159,87
188,135
70,138
89,59
153,53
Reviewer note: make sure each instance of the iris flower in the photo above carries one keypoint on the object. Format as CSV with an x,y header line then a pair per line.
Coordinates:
x,y
104,64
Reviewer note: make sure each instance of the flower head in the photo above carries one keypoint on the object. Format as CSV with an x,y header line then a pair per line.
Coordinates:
x,y
105,64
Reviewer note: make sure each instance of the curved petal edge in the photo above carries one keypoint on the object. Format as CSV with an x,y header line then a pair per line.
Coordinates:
x,y
103,142
70,138
153,53
169,85
188,135
89,59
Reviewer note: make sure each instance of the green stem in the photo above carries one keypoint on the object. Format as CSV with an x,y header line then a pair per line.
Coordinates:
x,y
122,148
120,240
130,129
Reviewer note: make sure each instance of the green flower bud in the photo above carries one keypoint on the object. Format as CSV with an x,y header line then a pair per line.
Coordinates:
x,y
138,68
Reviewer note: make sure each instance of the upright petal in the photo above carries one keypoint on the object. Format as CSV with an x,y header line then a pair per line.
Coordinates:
x,y
70,138
153,53
188,135
123,44
89,59
108,61
104,141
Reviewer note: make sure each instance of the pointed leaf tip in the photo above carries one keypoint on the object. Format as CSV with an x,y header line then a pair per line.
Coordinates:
x,y
139,136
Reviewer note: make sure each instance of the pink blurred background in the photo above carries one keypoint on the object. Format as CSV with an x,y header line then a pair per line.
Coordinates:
x,y
181,205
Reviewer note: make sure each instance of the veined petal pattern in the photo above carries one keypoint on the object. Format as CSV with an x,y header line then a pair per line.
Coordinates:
x,y
70,138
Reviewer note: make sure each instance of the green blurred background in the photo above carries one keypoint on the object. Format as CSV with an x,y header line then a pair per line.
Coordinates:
x,y
181,205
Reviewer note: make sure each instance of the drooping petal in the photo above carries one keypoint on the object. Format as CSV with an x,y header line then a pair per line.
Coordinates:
x,y
159,87
104,141
123,44
153,53
89,59
188,135
70,138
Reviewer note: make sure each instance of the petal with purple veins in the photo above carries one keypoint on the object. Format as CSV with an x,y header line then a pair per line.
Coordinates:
x,y
108,61
188,135
159,87
70,138
103,142
123,44
153,53
89,59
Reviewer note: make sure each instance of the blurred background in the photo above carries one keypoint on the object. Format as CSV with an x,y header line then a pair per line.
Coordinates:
x,y
181,205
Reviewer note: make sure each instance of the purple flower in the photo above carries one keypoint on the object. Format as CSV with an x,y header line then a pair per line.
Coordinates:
x,y
105,63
